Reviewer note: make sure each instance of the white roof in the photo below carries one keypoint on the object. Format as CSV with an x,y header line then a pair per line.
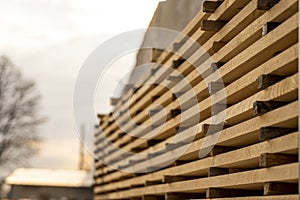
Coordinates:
x,y
50,177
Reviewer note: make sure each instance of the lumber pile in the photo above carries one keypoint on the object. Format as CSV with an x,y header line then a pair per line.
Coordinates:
x,y
238,140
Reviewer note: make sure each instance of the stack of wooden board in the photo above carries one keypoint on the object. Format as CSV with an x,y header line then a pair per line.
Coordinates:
x,y
247,104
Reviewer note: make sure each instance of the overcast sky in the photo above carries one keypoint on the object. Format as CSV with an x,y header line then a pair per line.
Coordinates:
x,y
49,40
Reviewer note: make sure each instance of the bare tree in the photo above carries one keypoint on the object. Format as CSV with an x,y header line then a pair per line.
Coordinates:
x,y
19,117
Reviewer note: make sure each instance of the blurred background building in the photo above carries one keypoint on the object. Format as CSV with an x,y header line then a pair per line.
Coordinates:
x,y
54,184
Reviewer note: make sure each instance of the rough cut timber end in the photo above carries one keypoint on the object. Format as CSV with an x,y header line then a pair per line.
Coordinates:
x,y
277,188
268,27
182,196
217,46
178,45
216,65
175,112
171,179
262,107
266,4
175,79
274,159
268,133
216,171
267,80
150,183
214,26
177,63
209,129
154,70
152,197
214,87
101,116
221,192
210,6
114,101
156,53
128,87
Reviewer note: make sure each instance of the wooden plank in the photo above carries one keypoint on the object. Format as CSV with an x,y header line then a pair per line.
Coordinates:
x,y
231,157
279,173
279,65
271,159
280,7
224,12
231,30
140,119
276,197
257,47
285,83
236,25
